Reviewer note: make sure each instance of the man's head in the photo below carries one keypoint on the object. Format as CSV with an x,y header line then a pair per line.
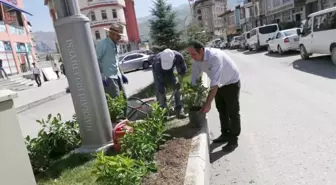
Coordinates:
x,y
167,57
196,50
115,32
34,64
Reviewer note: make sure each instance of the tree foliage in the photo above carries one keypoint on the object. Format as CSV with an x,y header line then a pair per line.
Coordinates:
x,y
195,32
163,29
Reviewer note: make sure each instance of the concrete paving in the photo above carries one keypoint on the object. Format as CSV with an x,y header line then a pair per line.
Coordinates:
x,y
288,110
64,105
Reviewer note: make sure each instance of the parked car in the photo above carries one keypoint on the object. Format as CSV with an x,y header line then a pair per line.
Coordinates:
x,y
285,40
318,34
134,61
223,45
244,41
259,36
235,43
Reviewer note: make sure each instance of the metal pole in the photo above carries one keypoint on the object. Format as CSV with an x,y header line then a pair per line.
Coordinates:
x,y
80,61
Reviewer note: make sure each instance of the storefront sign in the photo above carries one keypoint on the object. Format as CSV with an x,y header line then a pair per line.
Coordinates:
x,y
101,22
102,2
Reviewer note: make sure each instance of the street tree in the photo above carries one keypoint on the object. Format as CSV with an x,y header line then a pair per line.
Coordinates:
x,y
163,27
195,32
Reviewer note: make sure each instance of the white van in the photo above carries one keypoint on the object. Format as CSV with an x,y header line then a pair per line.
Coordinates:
x,y
318,34
260,35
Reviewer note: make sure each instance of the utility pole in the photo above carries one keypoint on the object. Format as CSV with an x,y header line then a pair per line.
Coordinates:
x,y
83,74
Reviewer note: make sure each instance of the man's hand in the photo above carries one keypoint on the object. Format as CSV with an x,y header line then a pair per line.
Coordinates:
x,y
124,79
206,107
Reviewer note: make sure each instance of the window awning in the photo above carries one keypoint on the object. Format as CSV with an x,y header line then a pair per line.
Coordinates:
x,y
14,7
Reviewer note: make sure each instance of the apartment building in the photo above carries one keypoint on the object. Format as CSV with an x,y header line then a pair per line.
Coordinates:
x,y
16,49
102,14
294,11
206,14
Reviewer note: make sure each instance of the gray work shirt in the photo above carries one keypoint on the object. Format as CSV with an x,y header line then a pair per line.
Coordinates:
x,y
164,77
219,67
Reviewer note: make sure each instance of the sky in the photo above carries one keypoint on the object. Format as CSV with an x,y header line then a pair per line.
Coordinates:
x,y
41,20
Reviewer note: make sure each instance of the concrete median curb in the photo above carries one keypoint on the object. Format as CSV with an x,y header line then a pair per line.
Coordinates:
x,y
198,167
40,101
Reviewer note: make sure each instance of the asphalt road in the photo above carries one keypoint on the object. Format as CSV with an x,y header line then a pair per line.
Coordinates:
x,y
288,110
64,106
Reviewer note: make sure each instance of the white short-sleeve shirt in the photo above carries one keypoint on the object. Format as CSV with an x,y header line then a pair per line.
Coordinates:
x,y
219,67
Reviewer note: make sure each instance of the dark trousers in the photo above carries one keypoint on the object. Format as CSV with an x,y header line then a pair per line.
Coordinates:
x,y
227,103
38,79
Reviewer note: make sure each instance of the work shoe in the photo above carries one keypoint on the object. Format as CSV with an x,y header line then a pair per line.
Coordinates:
x,y
230,147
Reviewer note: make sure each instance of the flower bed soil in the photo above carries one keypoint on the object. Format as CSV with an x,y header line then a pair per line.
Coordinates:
x,y
172,158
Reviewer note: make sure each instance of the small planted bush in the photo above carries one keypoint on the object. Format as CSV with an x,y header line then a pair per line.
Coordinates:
x,y
194,96
120,170
54,140
116,106
138,151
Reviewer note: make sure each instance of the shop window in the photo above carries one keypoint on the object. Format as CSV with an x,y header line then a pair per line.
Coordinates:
x,y
7,46
21,47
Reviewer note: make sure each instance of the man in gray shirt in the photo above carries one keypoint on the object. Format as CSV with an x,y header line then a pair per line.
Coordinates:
x,y
164,65
224,88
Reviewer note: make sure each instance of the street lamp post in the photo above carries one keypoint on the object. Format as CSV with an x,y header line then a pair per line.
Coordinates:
x,y
80,61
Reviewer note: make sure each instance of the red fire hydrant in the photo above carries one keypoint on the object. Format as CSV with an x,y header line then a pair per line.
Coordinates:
x,y
118,132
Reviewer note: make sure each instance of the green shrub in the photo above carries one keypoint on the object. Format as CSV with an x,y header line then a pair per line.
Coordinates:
x,y
138,150
120,170
146,137
116,106
194,96
55,139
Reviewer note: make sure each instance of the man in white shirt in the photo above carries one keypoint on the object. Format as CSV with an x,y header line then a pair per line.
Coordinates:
x,y
37,75
224,88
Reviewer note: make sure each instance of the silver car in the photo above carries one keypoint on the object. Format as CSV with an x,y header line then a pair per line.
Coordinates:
x,y
134,61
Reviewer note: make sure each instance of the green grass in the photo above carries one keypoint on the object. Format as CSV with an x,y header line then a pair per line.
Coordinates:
x,y
72,169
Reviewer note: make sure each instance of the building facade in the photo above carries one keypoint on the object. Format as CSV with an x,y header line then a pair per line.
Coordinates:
x,y
294,11
206,13
102,14
16,49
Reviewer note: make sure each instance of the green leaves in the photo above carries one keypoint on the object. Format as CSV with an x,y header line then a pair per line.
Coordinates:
x,y
55,139
163,27
116,106
138,151
119,170
194,95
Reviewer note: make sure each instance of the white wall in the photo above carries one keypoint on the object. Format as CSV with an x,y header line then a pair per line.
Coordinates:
x,y
97,11
86,3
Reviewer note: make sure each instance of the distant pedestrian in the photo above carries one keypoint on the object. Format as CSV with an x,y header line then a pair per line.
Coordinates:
x,y
37,75
56,70
224,88
107,54
2,70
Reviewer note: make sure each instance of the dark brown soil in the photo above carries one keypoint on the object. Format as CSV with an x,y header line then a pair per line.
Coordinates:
x,y
172,158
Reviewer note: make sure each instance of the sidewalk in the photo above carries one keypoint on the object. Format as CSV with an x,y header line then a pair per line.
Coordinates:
x,y
33,97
